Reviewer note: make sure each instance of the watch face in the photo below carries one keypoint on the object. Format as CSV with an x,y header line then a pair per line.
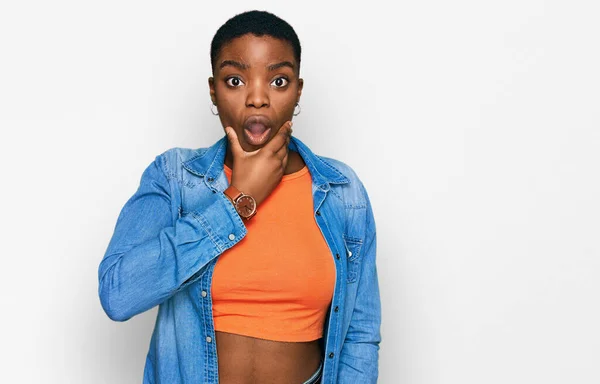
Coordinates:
x,y
246,205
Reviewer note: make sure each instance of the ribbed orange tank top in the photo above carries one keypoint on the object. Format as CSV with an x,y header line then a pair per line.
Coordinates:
x,y
277,282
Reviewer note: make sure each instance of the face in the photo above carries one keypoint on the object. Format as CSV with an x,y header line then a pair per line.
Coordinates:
x,y
255,87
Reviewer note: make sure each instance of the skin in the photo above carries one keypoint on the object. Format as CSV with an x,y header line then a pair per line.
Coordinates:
x,y
256,171
258,92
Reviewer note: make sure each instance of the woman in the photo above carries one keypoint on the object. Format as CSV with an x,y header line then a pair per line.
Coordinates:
x,y
259,253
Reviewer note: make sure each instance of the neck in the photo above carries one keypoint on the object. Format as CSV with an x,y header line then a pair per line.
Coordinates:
x,y
294,163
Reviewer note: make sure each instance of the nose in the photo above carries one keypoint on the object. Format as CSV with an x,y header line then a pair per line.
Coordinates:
x,y
258,95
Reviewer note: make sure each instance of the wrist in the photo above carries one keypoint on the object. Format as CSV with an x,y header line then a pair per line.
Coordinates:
x,y
247,191
244,203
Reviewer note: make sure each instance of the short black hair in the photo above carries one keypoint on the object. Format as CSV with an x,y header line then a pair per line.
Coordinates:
x,y
258,23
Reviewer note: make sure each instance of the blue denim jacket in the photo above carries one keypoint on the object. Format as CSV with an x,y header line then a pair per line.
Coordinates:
x,y
169,235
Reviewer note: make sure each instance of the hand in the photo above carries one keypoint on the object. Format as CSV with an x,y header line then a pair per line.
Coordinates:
x,y
257,173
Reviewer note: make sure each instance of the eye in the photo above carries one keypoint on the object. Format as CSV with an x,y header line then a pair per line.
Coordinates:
x,y
280,82
235,81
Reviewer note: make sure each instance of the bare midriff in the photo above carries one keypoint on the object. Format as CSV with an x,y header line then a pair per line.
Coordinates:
x,y
249,360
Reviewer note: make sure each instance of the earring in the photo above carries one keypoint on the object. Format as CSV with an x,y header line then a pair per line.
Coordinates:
x,y
299,110
212,110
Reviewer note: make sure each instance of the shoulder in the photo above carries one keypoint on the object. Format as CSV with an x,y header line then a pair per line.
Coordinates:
x,y
172,158
353,192
171,161
178,155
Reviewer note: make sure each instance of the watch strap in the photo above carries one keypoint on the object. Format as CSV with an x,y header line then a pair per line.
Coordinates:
x,y
232,193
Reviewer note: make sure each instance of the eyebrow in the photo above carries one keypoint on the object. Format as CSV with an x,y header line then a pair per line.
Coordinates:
x,y
243,66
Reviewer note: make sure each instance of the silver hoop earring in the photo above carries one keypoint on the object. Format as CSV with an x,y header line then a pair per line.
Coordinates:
x,y
212,110
299,110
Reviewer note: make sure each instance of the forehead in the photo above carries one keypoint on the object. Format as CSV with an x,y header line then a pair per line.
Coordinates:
x,y
256,49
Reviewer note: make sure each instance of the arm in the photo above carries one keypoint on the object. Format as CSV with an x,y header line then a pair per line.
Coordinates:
x,y
360,353
150,257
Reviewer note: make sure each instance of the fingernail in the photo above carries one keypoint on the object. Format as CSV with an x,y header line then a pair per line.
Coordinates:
x,y
291,123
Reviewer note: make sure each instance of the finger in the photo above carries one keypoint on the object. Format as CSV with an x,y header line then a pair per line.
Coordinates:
x,y
284,148
232,137
279,139
284,160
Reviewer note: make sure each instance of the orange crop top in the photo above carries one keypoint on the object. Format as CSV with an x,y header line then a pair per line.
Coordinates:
x,y
277,282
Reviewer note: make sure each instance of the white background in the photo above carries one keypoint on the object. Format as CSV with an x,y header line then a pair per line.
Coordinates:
x,y
473,124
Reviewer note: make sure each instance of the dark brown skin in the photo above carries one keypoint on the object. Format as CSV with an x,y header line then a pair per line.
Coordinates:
x,y
257,170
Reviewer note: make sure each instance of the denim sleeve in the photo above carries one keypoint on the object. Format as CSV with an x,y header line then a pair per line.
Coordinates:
x,y
359,357
151,256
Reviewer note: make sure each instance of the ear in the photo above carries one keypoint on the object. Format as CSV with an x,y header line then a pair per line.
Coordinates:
x,y
211,86
300,86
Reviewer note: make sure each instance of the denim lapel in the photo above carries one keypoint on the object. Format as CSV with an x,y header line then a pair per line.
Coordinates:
x,y
209,164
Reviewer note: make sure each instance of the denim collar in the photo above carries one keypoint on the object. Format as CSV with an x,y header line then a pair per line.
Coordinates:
x,y
209,163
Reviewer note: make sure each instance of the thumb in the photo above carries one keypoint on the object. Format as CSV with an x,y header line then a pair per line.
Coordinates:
x,y
236,148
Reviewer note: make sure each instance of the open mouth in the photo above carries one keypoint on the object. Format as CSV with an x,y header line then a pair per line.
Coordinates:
x,y
256,133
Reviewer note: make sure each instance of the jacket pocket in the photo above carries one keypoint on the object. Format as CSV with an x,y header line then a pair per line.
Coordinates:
x,y
353,248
